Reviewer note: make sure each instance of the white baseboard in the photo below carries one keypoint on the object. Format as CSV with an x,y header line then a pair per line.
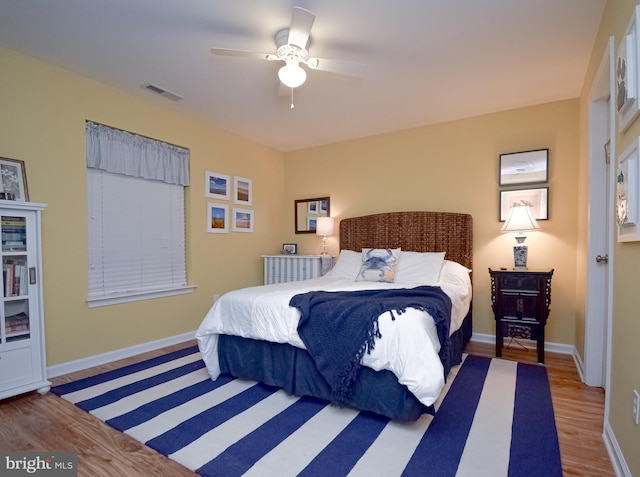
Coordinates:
x,y
620,466
104,358
529,344
579,364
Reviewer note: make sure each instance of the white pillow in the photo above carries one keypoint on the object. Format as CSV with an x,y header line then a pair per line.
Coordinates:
x,y
347,265
456,282
455,278
378,265
455,273
419,267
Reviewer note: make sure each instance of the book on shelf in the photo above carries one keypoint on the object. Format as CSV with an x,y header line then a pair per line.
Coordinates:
x,y
12,221
16,323
14,278
14,233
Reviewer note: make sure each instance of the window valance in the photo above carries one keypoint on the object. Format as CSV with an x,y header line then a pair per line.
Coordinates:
x,y
121,152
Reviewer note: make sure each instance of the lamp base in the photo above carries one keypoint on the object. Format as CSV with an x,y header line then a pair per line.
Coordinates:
x,y
520,256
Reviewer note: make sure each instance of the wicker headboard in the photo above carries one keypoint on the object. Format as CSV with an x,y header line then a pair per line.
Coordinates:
x,y
412,231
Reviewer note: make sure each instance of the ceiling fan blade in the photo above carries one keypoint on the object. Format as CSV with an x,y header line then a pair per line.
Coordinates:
x,y
300,29
241,53
342,67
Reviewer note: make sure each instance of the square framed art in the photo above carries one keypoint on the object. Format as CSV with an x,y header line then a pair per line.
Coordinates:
x,y
217,218
242,220
217,186
243,193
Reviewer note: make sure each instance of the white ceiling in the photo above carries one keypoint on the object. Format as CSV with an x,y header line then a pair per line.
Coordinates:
x,y
427,61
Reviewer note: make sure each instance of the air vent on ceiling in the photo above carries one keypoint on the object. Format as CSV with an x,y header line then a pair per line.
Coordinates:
x,y
162,92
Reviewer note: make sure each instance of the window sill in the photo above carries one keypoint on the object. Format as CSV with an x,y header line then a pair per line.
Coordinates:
x,y
116,299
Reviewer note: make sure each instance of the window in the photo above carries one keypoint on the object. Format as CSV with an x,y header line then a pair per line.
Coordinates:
x,y
135,189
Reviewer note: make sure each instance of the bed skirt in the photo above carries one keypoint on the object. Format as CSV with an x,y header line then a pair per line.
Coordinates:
x,y
293,370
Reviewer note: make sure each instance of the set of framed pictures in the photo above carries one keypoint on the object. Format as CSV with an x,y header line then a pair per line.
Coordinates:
x,y
526,168
219,186
627,103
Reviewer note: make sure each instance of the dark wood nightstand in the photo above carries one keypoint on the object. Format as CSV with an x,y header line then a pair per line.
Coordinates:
x,y
520,300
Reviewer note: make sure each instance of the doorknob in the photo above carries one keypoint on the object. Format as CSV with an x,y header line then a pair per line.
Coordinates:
x,y
602,259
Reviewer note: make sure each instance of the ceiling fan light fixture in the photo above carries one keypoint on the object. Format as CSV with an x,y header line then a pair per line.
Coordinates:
x,y
292,75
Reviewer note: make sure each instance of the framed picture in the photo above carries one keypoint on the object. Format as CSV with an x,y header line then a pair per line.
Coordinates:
x,y
312,207
290,248
216,186
13,183
323,206
527,167
626,70
537,199
217,218
242,220
627,206
243,193
312,223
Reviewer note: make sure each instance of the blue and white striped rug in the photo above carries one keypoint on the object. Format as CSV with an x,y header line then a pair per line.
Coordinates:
x,y
495,418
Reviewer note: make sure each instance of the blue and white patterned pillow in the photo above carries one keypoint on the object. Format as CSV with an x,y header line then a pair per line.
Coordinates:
x,y
378,265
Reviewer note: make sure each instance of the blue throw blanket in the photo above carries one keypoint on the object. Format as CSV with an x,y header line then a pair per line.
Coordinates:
x,y
337,328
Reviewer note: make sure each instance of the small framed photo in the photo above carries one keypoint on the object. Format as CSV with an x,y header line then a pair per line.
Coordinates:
x,y
527,167
217,218
323,206
243,193
290,248
13,180
216,186
242,220
312,207
537,199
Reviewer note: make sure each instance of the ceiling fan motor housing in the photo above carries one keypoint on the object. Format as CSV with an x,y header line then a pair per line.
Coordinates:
x,y
287,51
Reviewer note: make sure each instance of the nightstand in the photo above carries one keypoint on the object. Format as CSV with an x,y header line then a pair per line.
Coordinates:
x,y
291,268
520,300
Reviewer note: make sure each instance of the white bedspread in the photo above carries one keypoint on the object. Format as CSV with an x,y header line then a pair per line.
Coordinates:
x,y
409,346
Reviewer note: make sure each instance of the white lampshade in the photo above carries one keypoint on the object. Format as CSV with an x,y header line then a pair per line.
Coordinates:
x,y
292,75
324,226
520,219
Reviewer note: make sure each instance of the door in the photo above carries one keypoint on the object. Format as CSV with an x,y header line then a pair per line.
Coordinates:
x,y
600,228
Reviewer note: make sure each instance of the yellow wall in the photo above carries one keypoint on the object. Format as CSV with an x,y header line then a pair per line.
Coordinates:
x,y
42,123
453,167
625,356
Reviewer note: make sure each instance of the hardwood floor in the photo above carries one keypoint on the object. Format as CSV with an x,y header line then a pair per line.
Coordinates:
x,y
35,422
47,423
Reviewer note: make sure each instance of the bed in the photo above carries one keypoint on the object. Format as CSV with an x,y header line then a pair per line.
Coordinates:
x,y
397,379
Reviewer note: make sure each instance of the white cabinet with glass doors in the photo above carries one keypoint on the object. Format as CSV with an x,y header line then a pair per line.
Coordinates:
x,y
22,351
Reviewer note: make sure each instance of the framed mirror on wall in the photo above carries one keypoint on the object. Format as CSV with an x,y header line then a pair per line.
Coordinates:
x,y
307,212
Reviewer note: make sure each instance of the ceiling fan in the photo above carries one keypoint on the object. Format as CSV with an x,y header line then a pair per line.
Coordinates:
x,y
292,48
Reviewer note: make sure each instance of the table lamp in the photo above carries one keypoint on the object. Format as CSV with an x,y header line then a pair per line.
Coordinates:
x,y
519,220
324,227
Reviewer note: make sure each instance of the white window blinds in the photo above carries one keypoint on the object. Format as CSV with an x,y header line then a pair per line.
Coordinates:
x,y
135,190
